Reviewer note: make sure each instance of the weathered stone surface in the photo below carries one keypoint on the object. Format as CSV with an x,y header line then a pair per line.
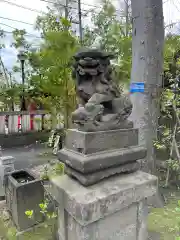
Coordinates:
x,y
90,126
23,196
90,204
102,160
92,178
6,165
92,142
118,226
6,160
102,106
156,201
142,232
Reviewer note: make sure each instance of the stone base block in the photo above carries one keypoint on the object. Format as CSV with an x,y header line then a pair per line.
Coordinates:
x,y
6,166
102,160
92,178
90,127
93,142
113,209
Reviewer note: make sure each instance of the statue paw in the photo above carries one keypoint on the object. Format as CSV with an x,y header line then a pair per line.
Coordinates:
x,y
79,115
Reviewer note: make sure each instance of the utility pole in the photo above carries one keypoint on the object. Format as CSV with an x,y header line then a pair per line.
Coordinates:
x,y
80,21
66,9
22,58
4,73
127,4
147,72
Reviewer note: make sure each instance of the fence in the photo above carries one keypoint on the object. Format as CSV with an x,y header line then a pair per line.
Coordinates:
x,y
14,122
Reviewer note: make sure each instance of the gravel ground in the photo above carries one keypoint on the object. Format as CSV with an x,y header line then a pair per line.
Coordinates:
x,y
40,169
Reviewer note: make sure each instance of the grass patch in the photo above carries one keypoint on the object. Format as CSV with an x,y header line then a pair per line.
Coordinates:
x,y
8,231
41,232
165,221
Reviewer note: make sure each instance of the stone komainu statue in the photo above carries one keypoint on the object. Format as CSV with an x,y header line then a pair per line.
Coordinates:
x,y
102,106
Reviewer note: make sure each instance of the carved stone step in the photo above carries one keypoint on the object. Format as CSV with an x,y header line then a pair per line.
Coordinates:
x,y
102,160
93,178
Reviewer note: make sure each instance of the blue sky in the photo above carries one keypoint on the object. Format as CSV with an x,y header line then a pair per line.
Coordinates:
x,y
171,14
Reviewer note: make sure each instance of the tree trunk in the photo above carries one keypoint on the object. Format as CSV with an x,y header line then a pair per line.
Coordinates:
x,y
127,5
147,67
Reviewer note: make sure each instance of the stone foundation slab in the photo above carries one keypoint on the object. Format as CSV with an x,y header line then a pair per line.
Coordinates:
x,y
113,209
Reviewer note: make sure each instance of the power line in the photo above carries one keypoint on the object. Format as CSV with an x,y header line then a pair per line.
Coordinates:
x,y
37,11
27,8
6,25
96,6
171,24
86,4
16,29
90,5
30,9
175,5
62,5
22,6
14,20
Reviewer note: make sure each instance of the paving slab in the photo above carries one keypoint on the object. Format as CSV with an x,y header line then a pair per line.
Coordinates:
x,y
28,156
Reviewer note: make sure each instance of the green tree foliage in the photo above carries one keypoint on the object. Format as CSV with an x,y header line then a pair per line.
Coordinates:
x,y
171,50
8,87
169,125
109,33
170,94
19,39
51,64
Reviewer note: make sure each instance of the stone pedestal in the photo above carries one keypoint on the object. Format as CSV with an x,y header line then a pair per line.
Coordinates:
x,y
92,156
113,209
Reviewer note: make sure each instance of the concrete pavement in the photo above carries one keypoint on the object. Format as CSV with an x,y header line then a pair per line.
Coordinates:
x,y
29,156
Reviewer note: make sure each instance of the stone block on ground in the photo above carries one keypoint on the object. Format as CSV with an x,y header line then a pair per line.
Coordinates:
x,y
24,192
113,209
6,166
